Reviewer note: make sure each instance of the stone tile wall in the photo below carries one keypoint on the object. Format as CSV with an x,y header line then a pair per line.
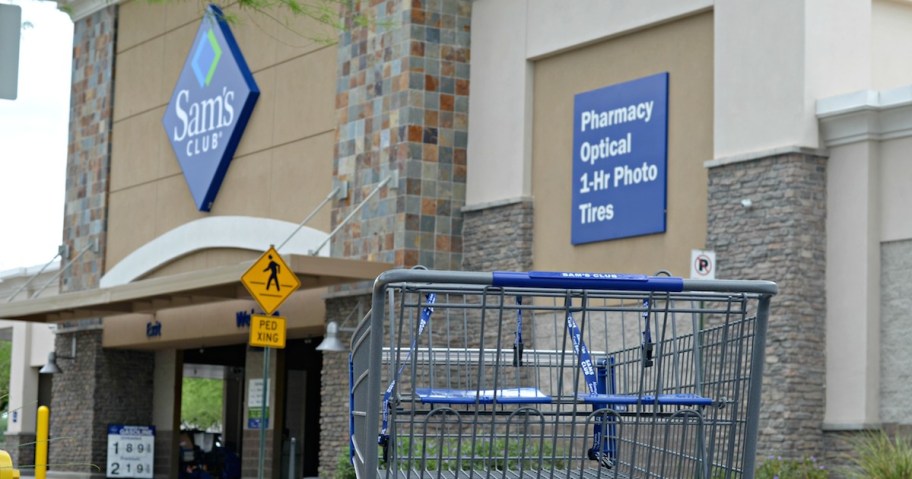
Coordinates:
x,y
88,155
782,238
98,387
402,103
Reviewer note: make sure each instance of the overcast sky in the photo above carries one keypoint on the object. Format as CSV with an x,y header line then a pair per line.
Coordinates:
x,y
33,139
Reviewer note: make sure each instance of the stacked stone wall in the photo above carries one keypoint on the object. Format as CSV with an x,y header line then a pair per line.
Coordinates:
x,y
334,387
498,238
97,388
21,449
782,238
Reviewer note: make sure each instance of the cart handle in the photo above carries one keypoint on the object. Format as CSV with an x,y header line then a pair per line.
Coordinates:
x,y
613,281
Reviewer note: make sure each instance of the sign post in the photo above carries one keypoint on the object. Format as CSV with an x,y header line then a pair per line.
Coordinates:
x,y
263,405
270,281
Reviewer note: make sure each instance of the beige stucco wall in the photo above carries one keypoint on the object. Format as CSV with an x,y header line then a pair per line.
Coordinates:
x,y
868,229
500,139
890,38
213,324
683,48
283,165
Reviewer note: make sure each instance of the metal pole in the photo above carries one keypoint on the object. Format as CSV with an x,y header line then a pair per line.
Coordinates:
x,y
311,215
353,213
27,283
292,452
263,416
758,357
93,245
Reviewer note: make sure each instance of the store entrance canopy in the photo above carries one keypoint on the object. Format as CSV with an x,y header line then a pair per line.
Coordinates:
x,y
184,289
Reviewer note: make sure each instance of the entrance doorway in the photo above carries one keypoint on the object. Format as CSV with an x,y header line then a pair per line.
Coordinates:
x,y
211,416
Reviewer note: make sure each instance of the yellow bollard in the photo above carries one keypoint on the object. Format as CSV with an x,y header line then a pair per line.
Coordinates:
x,y
6,466
41,443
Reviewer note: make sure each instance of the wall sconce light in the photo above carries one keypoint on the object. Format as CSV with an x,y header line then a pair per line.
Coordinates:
x,y
747,204
51,367
331,342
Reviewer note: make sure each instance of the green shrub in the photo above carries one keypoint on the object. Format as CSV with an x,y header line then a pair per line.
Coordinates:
x,y
779,468
877,456
344,467
436,453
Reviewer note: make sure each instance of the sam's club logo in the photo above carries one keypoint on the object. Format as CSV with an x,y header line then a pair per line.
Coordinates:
x,y
206,58
209,108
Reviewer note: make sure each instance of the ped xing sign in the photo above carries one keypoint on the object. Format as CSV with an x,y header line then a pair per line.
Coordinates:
x,y
620,150
267,331
210,107
270,281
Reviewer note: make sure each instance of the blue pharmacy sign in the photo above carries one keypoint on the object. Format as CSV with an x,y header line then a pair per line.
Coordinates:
x,y
209,108
620,150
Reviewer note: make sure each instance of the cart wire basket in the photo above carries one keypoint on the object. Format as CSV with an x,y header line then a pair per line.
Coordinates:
x,y
557,375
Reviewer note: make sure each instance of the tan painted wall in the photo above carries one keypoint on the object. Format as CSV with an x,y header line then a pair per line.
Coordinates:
x,y
684,49
212,325
283,165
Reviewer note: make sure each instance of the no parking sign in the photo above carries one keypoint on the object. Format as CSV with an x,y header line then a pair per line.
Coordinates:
x,y
702,264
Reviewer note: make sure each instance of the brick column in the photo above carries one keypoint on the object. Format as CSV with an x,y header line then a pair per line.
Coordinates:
x,y
98,387
334,387
782,238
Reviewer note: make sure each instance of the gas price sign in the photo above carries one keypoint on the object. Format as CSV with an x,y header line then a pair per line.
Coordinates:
x,y
131,450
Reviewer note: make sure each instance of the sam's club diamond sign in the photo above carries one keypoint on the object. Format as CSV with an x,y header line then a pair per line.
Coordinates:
x,y
620,138
209,108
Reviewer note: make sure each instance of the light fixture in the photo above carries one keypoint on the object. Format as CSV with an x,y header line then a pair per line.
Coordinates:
x,y
746,203
51,367
331,341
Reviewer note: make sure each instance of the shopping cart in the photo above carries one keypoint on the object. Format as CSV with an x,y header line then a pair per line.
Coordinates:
x,y
541,374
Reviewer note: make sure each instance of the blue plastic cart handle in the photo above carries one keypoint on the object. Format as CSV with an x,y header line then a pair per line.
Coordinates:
x,y
612,281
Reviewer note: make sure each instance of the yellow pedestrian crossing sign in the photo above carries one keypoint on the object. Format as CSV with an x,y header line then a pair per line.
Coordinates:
x,y
267,331
270,281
